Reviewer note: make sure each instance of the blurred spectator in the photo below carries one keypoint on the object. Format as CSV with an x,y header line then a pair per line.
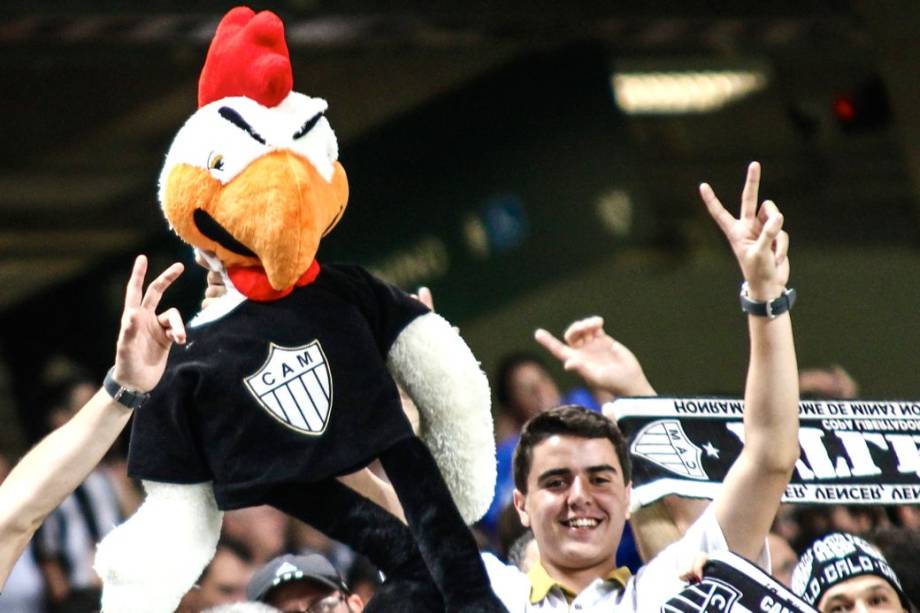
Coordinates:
x,y
303,583
243,607
65,545
832,382
842,572
263,530
304,539
858,519
363,578
786,525
510,530
901,547
524,552
223,581
782,558
907,516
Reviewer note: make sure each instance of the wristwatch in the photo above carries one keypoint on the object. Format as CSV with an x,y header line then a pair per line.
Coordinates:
x,y
132,399
770,309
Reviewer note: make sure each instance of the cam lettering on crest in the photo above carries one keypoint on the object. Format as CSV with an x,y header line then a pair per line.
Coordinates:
x,y
294,385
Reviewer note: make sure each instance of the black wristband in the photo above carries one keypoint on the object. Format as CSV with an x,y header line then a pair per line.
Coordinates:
x,y
119,393
771,309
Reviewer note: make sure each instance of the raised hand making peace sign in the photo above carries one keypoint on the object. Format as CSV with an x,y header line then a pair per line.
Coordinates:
x,y
756,238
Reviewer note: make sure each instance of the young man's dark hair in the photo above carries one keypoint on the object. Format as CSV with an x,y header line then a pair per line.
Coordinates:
x,y
568,420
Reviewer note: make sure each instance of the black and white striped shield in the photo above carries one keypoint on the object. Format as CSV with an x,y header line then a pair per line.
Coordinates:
x,y
295,386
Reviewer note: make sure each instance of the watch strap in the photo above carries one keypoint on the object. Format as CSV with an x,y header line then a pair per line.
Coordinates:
x,y
121,394
770,309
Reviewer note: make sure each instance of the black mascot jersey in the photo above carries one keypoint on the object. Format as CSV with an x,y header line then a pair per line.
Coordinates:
x,y
290,391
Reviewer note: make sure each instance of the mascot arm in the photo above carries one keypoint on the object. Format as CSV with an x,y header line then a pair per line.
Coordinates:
x,y
441,375
149,562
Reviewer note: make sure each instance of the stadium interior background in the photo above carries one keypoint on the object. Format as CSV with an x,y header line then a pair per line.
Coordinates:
x,y
495,155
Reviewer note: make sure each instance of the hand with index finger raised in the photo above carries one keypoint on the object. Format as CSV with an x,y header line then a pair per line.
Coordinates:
x,y
145,337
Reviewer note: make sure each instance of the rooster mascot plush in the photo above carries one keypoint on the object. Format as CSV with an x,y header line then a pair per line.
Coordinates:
x,y
287,381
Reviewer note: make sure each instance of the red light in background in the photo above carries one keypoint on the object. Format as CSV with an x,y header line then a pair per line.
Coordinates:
x,y
863,107
844,109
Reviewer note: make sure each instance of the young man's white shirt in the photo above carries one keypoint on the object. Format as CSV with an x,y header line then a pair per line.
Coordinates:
x,y
654,584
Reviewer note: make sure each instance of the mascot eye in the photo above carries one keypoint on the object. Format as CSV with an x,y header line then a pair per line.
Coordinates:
x,y
216,161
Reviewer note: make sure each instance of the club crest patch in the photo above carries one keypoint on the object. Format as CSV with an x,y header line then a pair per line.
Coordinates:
x,y
665,443
295,386
708,596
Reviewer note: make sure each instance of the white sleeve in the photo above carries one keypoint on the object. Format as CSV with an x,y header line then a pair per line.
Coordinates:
x,y
658,580
510,585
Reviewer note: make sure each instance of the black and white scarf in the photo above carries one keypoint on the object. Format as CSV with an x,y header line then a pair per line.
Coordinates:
x,y
852,451
731,584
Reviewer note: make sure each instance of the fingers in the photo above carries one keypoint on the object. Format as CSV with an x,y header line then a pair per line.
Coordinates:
x,y
579,330
573,364
425,297
552,344
694,574
771,229
171,322
749,194
135,287
718,213
767,209
782,247
158,286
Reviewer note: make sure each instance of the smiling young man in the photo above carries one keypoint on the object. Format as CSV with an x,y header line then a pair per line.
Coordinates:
x,y
572,468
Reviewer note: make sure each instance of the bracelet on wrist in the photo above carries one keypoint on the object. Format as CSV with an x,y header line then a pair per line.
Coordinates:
x,y
770,309
132,399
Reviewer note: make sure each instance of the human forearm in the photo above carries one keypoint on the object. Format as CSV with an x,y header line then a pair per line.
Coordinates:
x,y
756,481
60,462
52,470
771,396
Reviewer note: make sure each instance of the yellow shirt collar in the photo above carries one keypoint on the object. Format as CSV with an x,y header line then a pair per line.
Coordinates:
x,y
541,583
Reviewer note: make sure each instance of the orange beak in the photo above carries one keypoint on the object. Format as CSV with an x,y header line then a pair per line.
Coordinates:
x,y
273,214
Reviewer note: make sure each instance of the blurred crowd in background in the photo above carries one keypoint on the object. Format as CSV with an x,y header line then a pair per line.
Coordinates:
x,y
55,574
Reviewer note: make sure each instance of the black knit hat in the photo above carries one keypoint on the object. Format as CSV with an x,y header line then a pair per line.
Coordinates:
x,y
836,558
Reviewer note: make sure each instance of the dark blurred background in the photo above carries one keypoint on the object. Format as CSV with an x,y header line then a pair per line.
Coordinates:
x,y
531,162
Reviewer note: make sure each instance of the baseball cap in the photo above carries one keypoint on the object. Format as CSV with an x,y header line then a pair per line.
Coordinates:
x,y
836,558
311,567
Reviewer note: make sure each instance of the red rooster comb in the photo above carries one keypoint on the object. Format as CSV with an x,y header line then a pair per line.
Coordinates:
x,y
248,57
